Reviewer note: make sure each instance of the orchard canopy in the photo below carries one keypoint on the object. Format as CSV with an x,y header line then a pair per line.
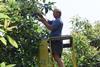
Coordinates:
x,y
21,33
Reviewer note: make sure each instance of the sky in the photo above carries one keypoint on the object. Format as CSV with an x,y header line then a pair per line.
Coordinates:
x,y
89,9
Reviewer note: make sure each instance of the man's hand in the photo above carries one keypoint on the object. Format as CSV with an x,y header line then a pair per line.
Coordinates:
x,y
43,20
40,17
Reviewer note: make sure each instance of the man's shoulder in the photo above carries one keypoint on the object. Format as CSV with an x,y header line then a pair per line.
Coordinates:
x,y
58,21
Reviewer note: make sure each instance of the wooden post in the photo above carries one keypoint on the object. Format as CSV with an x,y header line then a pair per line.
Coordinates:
x,y
43,54
73,57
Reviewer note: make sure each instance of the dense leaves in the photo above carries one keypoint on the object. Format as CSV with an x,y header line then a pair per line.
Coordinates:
x,y
20,31
3,64
85,36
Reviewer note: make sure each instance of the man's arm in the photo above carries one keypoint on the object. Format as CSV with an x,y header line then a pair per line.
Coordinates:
x,y
47,25
45,22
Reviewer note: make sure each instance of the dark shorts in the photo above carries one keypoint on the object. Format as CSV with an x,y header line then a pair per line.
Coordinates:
x,y
57,46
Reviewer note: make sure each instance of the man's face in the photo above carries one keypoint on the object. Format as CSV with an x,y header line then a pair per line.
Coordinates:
x,y
56,14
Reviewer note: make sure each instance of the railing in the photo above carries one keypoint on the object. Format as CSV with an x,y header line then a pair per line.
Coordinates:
x,y
44,53
64,37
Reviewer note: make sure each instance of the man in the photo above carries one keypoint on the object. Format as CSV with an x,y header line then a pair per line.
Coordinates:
x,y
55,27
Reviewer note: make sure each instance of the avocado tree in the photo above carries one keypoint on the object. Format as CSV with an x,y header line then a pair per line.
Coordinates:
x,y
20,30
83,34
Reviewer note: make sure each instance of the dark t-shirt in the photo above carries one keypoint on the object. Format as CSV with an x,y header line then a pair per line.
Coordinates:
x,y
57,27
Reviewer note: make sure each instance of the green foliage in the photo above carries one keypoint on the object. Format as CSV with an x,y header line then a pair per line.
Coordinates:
x,y
20,31
12,3
3,16
12,41
83,33
3,64
3,40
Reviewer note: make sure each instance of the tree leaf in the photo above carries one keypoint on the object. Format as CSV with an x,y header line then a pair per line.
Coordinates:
x,y
10,65
6,24
44,1
12,41
2,64
10,28
1,30
3,16
3,40
12,2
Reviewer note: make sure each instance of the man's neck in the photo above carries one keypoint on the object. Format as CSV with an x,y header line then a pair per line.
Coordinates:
x,y
57,18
